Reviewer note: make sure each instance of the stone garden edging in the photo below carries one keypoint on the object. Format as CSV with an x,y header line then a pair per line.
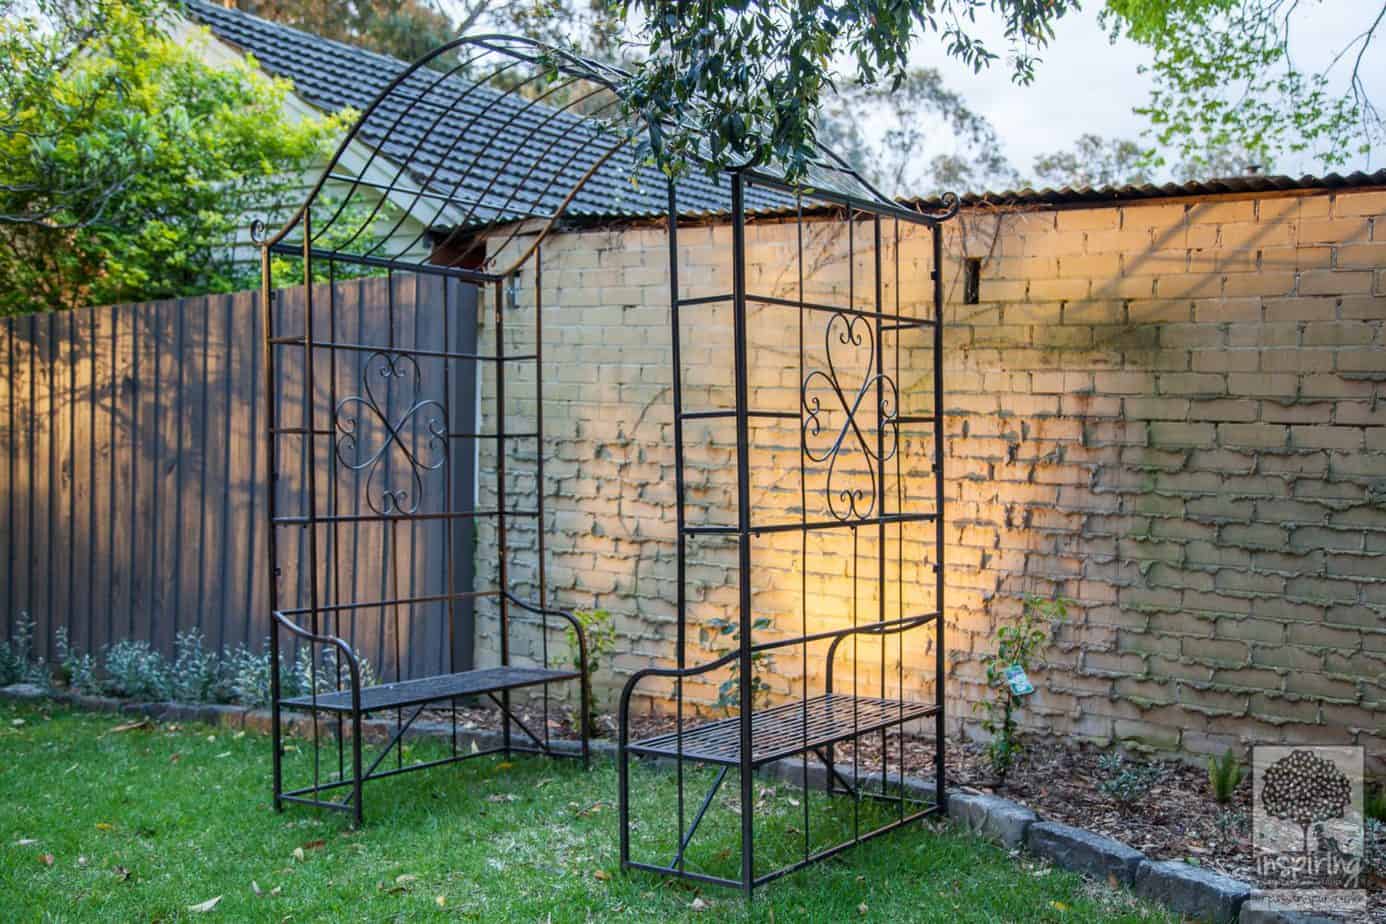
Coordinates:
x,y
1187,890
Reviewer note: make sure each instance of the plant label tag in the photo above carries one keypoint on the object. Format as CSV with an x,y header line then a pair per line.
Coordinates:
x,y
1020,684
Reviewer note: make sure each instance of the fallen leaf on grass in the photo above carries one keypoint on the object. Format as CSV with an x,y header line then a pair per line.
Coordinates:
x,y
25,842
104,826
441,901
699,905
592,809
500,797
504,765
299,854
314,845
1058,906
255,887
208,905
862,909
601,875
46,859
405,878
122,873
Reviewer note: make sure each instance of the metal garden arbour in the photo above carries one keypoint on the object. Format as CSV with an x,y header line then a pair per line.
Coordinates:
x,y
833,417
489,144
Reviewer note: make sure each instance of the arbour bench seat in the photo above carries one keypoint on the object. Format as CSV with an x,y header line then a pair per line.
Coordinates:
x,y
433,689
785,730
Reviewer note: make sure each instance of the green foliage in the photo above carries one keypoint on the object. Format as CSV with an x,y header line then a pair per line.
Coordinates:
x,y
126,164
729,690
1018,645
1224,78
76,669
1127,783
1223,776
133,669
1374,802
744,82
599,631
17,661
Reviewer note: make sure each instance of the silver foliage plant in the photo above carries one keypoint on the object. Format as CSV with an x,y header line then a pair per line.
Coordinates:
x,y
134,669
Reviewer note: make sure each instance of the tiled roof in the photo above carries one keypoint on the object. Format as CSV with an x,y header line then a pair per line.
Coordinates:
x,y
487,126
1088,195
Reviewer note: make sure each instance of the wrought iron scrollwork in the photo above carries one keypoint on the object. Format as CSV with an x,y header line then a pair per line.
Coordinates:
x,y
852,501
401,434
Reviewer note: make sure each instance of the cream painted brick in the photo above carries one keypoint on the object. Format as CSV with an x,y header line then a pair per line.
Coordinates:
x,y
1215,310
1187,285
1223,211
1090,266
1339,282
1095,219
1335,231
1285,208
1350,204
1136,217
1301,308
1133,287
1361,256
1256,235
1133,241
1058,289
1245,284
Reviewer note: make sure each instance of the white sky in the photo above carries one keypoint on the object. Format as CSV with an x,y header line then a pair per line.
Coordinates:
x,y
1086,83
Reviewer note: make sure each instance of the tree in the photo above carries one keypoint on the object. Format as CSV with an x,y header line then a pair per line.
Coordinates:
x,y
126,164
1225,78
743,82
919,109
1304,788
405,29
1094,161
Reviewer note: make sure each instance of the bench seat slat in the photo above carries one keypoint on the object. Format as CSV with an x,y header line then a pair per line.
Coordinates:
x,y
431,689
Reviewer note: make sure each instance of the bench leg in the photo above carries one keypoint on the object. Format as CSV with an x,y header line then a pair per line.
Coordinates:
x,y
356,781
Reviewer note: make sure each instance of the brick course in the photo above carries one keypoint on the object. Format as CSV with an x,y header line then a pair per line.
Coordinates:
x,y
1171,414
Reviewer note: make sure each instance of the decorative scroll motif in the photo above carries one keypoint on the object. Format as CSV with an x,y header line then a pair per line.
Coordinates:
x,y
850,334
401,436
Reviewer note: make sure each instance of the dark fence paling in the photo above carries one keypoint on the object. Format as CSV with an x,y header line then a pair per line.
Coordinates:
x,y
132,471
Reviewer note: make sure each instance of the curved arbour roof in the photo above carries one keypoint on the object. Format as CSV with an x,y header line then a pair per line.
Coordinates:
x,y
501,134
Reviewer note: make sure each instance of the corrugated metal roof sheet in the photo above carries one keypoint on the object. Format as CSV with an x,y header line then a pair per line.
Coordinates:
x,y
1089,195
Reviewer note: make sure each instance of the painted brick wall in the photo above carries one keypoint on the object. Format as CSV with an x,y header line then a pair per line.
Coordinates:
x,y
1172,414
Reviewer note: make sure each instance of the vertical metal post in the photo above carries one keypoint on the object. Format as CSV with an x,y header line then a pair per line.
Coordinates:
x,y
584,680
681,596
272,542
937,236
501,541
311,477
881,422
743,526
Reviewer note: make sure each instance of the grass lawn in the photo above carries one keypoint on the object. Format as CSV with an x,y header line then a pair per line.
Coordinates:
x,y
141,825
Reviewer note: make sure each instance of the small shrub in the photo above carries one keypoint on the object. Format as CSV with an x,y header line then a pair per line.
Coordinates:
x,y
17,661
1223,776
77,669
134,670
1230,824
1017,646
729,691
198,675
599,631
1127,783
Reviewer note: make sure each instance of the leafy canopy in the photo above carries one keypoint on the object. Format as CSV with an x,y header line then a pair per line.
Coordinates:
x,y
126,164
1225,77
743,81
